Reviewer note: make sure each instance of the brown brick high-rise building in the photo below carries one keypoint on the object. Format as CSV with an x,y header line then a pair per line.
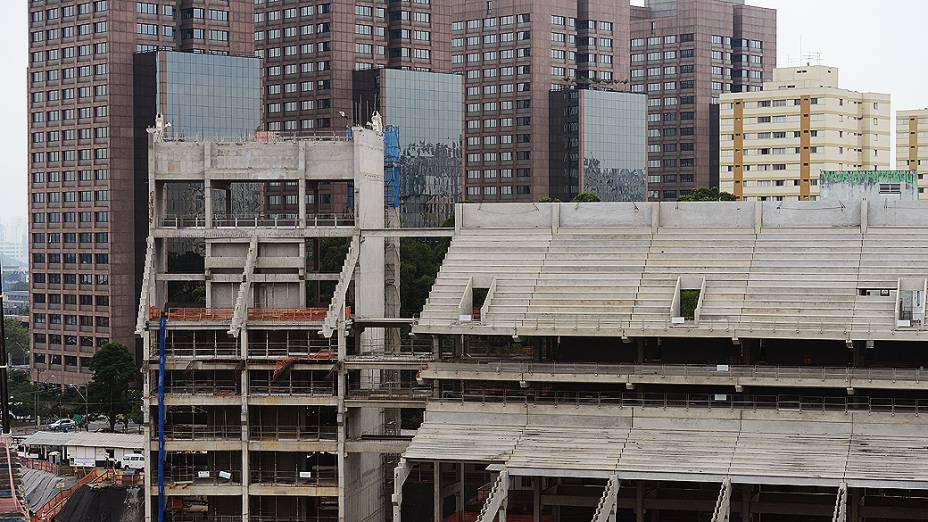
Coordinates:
x,y
684,55
311,49
512,54
83,214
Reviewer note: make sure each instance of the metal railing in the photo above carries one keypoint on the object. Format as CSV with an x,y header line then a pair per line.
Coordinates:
x,y
268,220
201,517
197,387
198,475
192,314
201,432
286,314
744,325
721,401
288,349
286,388
390,391
276,518
182,221
843,374
204,350
320,476
256,220
293,432
260,136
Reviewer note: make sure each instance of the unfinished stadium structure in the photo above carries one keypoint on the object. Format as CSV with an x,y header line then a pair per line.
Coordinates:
x,y
674,362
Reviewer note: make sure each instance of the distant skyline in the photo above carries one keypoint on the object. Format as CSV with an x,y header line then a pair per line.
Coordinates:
x,y
873,44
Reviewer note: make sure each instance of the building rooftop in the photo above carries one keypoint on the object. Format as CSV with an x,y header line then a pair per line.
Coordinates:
x,y
85,439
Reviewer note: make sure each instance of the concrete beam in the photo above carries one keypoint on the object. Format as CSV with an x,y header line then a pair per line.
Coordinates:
x,y
244,289
606,510
400,474
408,232
840,514
497,500
244,233
341,288
145,297
722,512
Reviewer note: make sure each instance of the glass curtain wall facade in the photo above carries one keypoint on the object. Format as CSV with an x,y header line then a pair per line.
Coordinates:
x,y
597,144
428,110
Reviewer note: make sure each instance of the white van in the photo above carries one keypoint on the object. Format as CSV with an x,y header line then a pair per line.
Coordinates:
x,y
133,461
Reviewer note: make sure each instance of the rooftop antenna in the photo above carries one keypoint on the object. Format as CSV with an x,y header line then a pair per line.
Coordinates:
x,y
812,58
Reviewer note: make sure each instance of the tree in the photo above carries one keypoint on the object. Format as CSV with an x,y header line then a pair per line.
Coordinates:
x,y
706,194
114,375
585,197
548,199
17,341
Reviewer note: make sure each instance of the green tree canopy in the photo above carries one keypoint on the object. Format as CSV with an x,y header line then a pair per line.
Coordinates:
x,y
585,197
706,194
17,341
548,199
110,389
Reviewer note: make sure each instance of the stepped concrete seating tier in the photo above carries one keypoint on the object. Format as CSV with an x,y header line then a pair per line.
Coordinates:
x,y
723,257
887,255
790,448
803,279
809,270
587,276
481,256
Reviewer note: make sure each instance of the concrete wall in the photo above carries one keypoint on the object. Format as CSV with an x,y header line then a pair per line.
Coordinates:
x,y
244,161
694,215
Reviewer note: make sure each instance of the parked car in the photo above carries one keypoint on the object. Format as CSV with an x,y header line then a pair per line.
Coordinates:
x,y
63,425
133,461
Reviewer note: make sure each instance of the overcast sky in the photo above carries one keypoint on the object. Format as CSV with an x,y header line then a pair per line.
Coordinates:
x,y
875,44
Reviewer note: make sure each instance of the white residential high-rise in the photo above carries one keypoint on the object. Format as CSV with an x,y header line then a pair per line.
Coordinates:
x,y
773,143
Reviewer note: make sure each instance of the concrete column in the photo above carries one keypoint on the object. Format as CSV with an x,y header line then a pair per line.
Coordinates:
x,y
747,351
228,190
858,358
758,217
208,284
301,199
853,506
246,469
436,491
340,414
746,503
462,498
640,345
639,502
536,499
655,217
864,217
150,426
208,202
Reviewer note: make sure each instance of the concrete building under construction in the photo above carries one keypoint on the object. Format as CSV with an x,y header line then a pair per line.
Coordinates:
x,y
613,361
249,334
